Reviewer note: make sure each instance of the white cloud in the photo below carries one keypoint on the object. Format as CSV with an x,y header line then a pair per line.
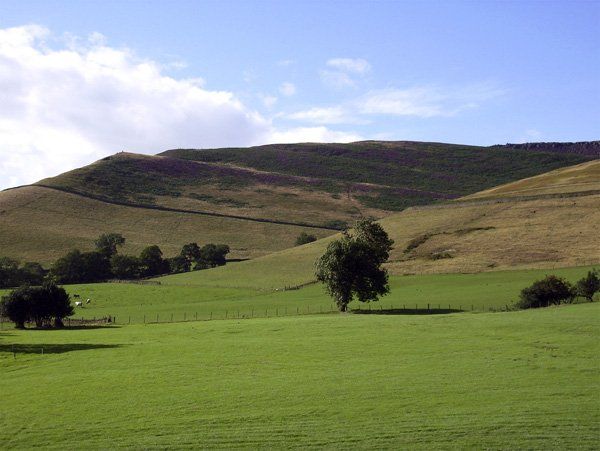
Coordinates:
x,y
337,80
355,65
268,100
312,134
427,101
287,89
327,115
67,106
423,102
344,72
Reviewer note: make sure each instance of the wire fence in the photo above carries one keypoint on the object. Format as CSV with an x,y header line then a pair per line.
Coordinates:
x,y
273,312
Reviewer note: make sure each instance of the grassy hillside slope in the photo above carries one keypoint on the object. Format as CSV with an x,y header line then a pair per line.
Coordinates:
x,y
522,380
321,186
468,237
315,183
579,178
42,224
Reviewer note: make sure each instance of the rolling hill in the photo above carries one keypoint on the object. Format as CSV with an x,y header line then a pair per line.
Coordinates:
x,y
485,234
256,199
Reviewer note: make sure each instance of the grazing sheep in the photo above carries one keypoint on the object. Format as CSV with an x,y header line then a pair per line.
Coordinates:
x,y
87,301
78,304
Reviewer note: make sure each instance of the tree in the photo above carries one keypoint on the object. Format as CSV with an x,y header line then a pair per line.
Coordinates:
x,y
305,238
191,252
107,244
125,266
59,303
95,267
78,267
32,273
15,306
212,255
152,263
588,286
551,290
68,269
37,304
179,264
9,272
351,266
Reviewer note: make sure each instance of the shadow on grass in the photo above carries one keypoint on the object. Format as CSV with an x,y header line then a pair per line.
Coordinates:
x,y
11,328
45,348
400,311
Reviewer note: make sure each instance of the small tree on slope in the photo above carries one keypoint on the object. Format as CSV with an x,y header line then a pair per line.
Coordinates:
x,y
588,286
351,266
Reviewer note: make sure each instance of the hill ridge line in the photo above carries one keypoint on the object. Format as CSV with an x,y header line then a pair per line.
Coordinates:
x,y
170,209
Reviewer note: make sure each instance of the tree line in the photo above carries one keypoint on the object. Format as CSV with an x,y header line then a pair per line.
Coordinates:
x,y
105,262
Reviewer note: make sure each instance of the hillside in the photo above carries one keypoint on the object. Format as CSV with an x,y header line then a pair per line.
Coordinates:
x,y
481,235
41,224
204,196
584,177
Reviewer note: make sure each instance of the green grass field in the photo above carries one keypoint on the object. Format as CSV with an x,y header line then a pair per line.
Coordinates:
x,y
138,303
518,380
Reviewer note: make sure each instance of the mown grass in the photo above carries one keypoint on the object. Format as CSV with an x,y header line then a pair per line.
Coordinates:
x,y
134,303
521,380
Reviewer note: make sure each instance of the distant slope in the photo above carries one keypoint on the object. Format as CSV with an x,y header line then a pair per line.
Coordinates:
x,y
580,178
590,148
469,237
42,224
319,187
450,170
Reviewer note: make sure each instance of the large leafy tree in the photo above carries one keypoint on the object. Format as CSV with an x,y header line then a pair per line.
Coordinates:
x,y
212,255
152,262
191,252
351,267
37,304
125,266
77,267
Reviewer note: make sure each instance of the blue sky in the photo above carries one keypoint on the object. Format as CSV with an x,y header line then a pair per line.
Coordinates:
x,y
94,77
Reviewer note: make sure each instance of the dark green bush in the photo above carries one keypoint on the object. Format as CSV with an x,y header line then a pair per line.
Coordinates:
x,y
551,290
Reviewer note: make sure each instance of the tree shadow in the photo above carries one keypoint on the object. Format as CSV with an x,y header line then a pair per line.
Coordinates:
x,y
45,348
61,329
401,311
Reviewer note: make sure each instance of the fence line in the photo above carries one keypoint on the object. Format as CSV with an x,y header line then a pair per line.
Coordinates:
x,y
275,312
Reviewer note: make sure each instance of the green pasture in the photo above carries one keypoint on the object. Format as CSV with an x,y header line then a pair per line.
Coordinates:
x,y
136,303
517,380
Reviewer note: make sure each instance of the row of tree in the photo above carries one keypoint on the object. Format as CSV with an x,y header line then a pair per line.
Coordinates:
x,y
13,274
104,263
44,305
553,290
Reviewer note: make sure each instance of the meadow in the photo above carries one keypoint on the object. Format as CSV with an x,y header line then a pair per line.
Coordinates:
x,y
517,380
137,303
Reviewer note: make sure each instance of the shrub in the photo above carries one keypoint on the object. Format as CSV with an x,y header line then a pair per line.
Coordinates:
x,y
305,238
551,290
588,286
